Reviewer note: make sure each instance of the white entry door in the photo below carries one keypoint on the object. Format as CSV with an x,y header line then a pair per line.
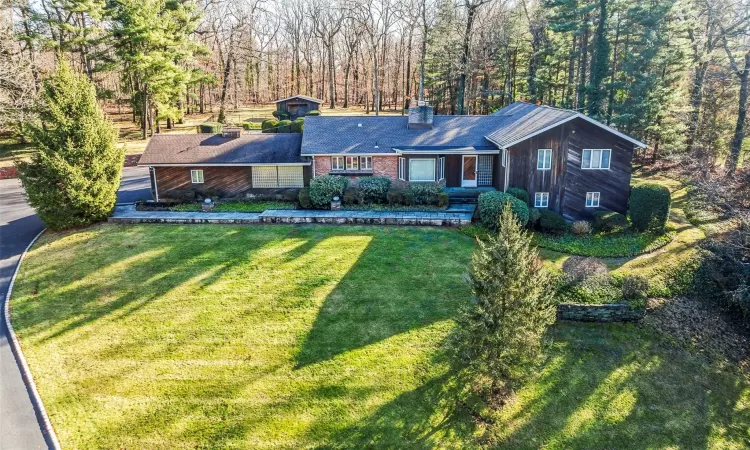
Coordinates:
x,y
469,171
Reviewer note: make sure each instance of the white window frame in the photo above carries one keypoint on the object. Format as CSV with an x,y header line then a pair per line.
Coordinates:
x,y
541,200
601,157
196,176
434,166
542,153
337,163
593,199
352,163
365,163
402,169
441,168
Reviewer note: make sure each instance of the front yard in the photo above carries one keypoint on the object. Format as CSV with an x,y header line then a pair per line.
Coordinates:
x,y
278,336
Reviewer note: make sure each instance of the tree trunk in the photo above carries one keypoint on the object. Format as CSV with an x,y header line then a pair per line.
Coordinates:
x,y
734,155
144,114
583,66
331,76
611,96
465,58
696,99
225,83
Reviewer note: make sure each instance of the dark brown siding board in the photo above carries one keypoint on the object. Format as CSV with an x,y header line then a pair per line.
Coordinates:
x,y
498,172
453,170
228,180
566,182
613,184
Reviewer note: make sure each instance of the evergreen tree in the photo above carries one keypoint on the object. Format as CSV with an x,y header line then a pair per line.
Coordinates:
x,y
73,179
600,66
502,330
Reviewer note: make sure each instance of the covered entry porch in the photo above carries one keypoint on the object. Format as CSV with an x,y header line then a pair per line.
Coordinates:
x,y
468,168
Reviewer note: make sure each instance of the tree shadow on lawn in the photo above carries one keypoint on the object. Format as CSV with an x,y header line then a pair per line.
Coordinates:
x,y
618,386
402,281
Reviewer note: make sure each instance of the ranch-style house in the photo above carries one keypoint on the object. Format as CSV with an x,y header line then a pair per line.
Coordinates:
x,y
568,162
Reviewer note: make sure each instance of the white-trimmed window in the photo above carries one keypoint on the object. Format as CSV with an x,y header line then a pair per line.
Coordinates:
x,y
337,163
544,159
352,163
365,163
402,169
441,168
541,200
596,158
196,176
592,199
422,169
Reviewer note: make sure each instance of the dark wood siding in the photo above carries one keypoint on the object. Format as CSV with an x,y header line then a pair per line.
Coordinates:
x,y
453,170
566,182
614,184
296,107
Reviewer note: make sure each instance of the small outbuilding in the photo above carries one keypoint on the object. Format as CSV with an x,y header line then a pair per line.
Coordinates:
x,y
297,105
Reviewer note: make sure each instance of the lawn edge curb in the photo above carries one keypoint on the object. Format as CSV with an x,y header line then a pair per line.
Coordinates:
x,y
28,379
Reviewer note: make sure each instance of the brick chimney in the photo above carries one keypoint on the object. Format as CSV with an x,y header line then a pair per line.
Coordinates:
x,y
420,116
231,132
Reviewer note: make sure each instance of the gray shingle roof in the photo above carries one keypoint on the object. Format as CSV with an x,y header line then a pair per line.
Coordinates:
x,y
326,134
518,120
303,97
213,149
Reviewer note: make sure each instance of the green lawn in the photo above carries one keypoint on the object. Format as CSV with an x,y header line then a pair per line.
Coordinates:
x,y
296,337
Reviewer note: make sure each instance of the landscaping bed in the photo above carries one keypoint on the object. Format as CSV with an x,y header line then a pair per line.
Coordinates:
x,y
604,245
236,206
312,336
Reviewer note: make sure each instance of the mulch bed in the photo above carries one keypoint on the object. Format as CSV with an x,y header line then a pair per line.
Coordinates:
x,y
701,327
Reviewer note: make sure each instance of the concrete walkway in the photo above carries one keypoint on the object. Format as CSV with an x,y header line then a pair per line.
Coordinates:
x,y
128,214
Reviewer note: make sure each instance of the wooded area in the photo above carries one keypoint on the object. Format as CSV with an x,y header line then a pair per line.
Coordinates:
x,y
671,72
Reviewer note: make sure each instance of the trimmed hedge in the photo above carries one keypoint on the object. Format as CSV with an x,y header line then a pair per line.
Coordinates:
x,y
491,205
314,112
551,221
610,221
400,196
210,127
374,189
285,126
649,206
280,114
298,126
519,193
251,126
304,198
324,188
425,193
270,126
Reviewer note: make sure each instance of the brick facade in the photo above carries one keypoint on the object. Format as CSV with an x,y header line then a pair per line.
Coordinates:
x,y
385,166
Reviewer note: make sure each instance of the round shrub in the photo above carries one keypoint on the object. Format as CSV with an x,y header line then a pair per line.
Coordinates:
x,y
270,126
649,206
280,114
578,267
351,196
323,189
374,189
285,126
314,112
519,193
593,290
425,193
304,198
634,287
580,228
491,205
534,216
443,200
551,221
210,127
610,221
251,126
298,126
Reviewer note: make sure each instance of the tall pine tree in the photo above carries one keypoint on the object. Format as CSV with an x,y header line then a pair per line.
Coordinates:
x,y
73,179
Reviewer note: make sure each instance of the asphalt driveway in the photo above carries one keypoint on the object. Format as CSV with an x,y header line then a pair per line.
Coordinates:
x,y
19,421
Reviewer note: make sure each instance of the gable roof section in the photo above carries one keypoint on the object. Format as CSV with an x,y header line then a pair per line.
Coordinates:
x,y
389,134
215,150
303,97
521,121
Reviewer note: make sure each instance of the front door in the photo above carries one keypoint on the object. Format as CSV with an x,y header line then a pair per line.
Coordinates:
x,y
469,173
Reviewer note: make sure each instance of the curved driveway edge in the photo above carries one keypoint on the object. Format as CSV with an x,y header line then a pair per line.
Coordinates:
x,y
47,429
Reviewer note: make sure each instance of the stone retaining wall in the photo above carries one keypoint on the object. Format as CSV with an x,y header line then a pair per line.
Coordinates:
x,y
614,312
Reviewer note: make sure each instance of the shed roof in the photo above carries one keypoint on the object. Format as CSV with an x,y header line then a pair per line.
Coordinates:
x,y
303,97
213,149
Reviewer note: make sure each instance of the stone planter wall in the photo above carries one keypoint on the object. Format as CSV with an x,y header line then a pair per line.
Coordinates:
x,y
615,312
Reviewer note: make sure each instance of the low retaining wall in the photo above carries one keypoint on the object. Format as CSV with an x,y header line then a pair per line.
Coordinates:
x,y
614,312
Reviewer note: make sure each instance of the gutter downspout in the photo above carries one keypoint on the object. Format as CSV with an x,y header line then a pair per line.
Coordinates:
x,y
152,172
